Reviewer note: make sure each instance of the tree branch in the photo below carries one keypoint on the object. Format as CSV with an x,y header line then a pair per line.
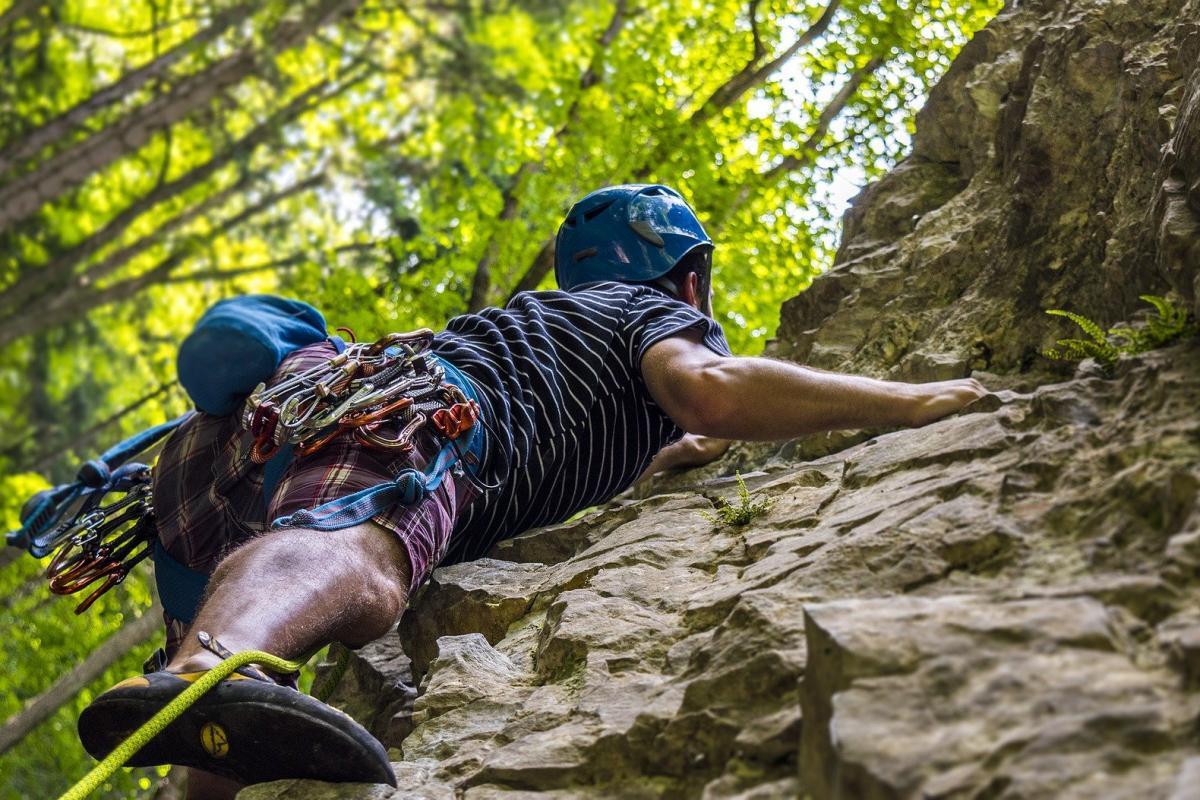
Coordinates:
x,y
138,34
121,257
813,145
760,49
752,74
837,104
481,281
54,130
83,298
66,170
49,279
216,273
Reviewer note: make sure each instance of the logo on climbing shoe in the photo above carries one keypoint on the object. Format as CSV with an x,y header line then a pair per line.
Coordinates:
x,y
213,740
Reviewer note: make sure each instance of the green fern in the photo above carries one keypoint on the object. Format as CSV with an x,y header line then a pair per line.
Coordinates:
x,y
745,510
1090,328
1106,346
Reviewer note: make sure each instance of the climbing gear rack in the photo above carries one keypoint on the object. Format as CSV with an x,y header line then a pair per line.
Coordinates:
x,y
393,379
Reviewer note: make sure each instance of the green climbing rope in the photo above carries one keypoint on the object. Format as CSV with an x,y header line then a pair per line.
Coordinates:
x,y
138,739
341,660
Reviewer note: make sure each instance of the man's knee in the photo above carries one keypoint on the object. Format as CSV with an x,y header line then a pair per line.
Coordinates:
x,y
367,553
385,556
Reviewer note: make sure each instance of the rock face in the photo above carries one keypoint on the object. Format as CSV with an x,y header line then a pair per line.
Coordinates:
x,y
1000,605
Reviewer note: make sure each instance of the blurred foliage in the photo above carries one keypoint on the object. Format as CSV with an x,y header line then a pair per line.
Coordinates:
x,y
393,163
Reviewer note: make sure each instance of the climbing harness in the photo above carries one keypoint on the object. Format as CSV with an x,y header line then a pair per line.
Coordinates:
x,y
451,408
381,394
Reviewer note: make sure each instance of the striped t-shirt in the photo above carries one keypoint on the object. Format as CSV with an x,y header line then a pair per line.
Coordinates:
x,y
570,421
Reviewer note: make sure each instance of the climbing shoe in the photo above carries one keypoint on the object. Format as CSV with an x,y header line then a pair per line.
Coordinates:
x,y
247,728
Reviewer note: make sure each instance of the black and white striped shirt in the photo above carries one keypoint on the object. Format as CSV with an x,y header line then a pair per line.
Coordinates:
x,y
570,422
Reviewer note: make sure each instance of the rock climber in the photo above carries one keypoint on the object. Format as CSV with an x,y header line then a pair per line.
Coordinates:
x,y
581,389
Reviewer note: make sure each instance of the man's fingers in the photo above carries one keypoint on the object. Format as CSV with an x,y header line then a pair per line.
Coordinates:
x,y
948,397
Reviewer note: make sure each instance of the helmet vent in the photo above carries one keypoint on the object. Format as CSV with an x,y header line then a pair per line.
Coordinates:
x,y
592,213
587,253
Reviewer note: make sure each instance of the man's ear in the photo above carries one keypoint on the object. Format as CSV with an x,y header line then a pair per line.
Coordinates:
x,y
690,291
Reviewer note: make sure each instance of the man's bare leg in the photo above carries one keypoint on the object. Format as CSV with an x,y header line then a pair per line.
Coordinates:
x,y
290,592
293,591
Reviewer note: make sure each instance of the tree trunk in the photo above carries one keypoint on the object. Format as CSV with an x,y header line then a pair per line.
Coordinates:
x,y
69,168
37,710
32,142
44,280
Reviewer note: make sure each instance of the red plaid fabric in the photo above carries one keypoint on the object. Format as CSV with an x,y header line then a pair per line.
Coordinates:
x,y
209,498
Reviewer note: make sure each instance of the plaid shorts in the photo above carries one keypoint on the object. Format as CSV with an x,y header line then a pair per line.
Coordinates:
x,y
209,496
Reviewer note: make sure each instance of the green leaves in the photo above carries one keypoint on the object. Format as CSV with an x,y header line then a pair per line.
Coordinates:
x,y
742,512
1169,323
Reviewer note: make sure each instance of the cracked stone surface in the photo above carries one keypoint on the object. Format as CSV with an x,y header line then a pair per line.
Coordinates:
x,y
1001,605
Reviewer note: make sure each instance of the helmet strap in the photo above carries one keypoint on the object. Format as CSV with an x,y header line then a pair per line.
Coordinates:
x,y
667,285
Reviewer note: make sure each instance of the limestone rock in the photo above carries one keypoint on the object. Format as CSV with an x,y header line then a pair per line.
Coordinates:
x,y
1002,604
1035,162
1029,699
377,689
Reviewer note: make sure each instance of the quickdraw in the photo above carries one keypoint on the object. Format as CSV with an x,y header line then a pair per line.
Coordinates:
x,y
104,543
392,380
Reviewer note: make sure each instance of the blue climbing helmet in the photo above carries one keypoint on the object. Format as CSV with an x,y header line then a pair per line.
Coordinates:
x,y
633,232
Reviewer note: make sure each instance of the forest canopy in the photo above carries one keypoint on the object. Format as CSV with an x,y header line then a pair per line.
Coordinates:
x,y
395,164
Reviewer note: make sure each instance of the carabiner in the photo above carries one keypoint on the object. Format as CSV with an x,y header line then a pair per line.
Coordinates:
x,y
403,441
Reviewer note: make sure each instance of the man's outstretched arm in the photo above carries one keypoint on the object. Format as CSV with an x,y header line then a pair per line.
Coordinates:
x,y
760,399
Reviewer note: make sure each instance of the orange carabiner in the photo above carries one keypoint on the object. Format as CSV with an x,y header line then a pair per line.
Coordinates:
x,y
452,422
310,446
112,580
83,574
371,417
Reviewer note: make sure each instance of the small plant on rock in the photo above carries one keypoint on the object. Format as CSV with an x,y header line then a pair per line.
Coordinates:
x,y
741,513
1106,346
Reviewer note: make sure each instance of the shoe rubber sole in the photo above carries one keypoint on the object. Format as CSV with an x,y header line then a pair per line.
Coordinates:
x,y
246,730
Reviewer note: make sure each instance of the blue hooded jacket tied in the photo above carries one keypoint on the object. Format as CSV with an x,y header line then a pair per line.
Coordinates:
x,y
239,343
